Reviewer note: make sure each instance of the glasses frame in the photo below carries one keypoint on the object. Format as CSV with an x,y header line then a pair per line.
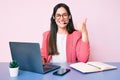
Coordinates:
x,y
58,16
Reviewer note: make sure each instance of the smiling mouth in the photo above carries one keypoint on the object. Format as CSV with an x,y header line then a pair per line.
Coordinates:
x,y
64,22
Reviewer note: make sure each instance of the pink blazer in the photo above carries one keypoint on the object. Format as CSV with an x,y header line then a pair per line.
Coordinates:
x,y
76,49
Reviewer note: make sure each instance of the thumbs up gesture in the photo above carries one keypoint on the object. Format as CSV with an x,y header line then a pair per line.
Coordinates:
x,y
82,28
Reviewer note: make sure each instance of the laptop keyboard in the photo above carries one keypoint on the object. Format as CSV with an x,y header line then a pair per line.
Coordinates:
x,y
48,67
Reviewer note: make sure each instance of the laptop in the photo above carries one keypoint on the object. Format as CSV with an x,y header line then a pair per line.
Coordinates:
x,y
28,56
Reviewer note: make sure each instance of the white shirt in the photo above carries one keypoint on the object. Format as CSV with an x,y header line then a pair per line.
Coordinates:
x,y
61,46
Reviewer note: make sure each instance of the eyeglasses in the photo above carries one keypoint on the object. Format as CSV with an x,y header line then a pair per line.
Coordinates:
x,y
58,16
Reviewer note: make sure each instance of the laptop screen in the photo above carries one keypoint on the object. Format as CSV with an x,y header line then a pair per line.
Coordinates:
x,y
27,55
29,58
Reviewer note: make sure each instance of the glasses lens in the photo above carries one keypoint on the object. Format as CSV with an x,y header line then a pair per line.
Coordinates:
x,y
58,16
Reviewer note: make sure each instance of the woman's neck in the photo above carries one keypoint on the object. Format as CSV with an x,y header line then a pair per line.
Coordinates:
x,y
62,31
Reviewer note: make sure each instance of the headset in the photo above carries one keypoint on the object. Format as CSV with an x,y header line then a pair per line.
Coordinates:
x,y
70,16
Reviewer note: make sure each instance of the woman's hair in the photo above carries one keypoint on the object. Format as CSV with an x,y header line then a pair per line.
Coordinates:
x,y
52,47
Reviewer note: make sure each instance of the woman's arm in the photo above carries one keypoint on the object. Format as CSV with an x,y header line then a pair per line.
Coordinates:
x,y
83,47
82,51
44,50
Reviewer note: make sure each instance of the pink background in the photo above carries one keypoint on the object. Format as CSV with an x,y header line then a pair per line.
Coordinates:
x,y
26,20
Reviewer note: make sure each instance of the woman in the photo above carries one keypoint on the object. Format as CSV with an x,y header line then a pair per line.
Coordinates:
x,y
63,43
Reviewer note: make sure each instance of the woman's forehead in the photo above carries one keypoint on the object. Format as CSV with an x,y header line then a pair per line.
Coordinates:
x,y
61,10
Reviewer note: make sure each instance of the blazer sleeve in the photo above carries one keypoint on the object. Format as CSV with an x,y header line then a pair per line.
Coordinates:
x,y
82,49
44,49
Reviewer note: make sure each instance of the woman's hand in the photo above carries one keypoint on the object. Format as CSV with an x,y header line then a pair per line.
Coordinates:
x,y
82,28
43,61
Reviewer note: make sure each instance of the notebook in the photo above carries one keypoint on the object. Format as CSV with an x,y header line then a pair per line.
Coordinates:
x,y
28,56
92,67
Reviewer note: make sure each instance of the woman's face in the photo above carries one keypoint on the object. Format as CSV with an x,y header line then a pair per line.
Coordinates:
x,y
61,17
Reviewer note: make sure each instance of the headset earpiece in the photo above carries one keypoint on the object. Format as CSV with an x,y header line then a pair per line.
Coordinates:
x,y
69,16
53,17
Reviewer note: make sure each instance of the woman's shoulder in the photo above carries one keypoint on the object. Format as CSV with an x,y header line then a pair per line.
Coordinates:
x,y
46,32
76,33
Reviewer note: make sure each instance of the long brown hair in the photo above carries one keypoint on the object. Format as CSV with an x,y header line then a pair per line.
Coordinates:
x,y
52,47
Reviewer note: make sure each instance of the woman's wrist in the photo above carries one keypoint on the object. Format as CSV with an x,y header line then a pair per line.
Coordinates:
x,y
84,36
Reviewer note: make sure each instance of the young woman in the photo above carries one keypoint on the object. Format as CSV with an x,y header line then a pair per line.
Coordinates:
x,y
63,43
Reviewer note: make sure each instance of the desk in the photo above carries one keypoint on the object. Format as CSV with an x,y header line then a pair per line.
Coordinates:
x,y
72,75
